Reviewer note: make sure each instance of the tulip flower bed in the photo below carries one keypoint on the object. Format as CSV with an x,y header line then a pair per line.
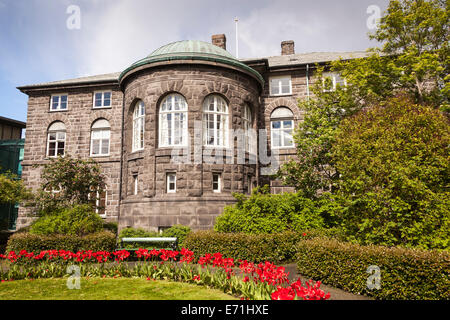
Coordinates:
x,y
244,279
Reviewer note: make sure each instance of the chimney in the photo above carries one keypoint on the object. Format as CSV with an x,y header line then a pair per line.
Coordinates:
x,y
219,40
287,47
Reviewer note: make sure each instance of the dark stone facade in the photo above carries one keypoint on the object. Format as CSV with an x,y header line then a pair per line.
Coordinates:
x,y
151,207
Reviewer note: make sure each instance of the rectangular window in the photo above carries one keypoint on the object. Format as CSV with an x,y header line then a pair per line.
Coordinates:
x,y
100,142
171,183
135,184
58,102
336,80
217,183
282,131
102,99
280,86
56,144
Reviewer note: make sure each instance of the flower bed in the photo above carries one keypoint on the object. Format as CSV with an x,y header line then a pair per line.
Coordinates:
x,y
241,278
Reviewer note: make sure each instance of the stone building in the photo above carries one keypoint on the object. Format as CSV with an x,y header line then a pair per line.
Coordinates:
x,y
177,132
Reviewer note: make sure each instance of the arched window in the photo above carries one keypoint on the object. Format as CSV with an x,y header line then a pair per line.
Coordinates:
x,y
100,136
138,126
215,121
247,122
282,127
173,121
56,139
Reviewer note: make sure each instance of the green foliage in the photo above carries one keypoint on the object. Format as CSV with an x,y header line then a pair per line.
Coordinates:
x,y
269,213
312,169
101,241
12,189
276,247
395,169
67,182
176,231
407,274
77,221
111,226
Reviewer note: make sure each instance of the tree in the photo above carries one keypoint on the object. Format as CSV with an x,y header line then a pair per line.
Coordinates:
x,y
12,189
413,61
394,167
414,57
68,182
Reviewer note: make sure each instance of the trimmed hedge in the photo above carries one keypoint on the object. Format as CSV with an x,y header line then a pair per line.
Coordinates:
x,y
276,248
101,241
405,273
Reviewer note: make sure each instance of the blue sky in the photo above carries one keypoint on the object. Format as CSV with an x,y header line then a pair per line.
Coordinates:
x,y
36,45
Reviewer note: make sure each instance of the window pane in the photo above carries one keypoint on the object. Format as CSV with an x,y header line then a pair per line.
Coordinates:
x,y
276,124
52,149
96,147
287,124
61,148
288,141
52,136
276,139
105,146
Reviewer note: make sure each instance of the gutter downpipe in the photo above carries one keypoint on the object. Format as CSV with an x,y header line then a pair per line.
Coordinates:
x,y
307,81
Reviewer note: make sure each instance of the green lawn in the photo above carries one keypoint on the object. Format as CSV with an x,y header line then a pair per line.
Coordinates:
x,y
107,289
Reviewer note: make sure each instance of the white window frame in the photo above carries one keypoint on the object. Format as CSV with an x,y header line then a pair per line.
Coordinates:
x,y
279,78
281,130
59,102
247,122
135,184
103,131
138,134
167,136
102,106
219,182
168,176
220,135
97,203
333,76
57,141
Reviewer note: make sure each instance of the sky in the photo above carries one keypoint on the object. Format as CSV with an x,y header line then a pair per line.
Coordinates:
x,y
50,40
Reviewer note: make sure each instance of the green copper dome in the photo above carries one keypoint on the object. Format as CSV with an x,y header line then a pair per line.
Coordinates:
x,y
192,50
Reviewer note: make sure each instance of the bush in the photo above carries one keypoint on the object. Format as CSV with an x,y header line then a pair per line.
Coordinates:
x,y
101,241
405,273
111,226
77,221
394,176
176,231
269,213
276,247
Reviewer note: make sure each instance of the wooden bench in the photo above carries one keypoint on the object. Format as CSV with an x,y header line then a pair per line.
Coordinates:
x,y
172,241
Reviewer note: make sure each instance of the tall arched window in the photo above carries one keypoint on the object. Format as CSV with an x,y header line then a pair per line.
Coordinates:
x,y
138,126
100,136
247,122
282,127
173,121
56,139
215,121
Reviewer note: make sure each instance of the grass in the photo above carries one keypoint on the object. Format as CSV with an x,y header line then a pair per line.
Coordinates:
x,y
107,289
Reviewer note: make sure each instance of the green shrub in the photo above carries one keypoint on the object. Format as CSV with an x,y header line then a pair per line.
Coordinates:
x,y
394,170
405,273
101,241
77,221
276,247
269,213
177,231
111,226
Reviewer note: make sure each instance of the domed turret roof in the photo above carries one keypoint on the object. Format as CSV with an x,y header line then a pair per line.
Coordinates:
x,y
192,50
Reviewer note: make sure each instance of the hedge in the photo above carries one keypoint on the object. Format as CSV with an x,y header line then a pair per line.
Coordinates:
x,y
100,241
276,248
406,274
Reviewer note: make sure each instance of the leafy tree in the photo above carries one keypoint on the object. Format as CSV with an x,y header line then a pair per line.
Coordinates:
x,y
394,167
68,182
12,189
414,60
414,57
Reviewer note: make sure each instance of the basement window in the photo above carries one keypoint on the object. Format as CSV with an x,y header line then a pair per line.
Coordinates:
x,y
217,182
171,183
